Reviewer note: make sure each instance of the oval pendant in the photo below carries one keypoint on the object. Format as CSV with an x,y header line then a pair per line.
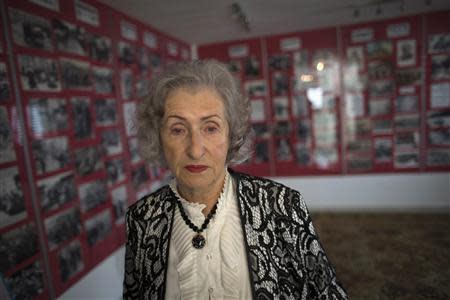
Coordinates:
x,y
198,241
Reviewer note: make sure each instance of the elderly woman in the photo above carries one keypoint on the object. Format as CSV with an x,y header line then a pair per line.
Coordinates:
x,y
214,233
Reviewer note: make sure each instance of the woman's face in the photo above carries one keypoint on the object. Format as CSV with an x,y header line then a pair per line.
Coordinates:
x,y
195,139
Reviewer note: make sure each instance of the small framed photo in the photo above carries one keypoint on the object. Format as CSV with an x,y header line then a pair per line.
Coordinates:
x,y
252,67
56,191
407,122
70,38
111,141
383,150
439,43
258,111
437,119
407,104
324,157
98,227
70,260
115,169
280,108
406,160
62,227
51,154
5,91
302,155
261,130
407,141
406,53
75,74
355,56
439,137
438,157
354,104
7,152
103,80
280,83
22,241
126,84
119,199
126,53
380,107
48,115
440,67
299,106
82,117
101,49
139,177
382,126
255,88
88,160
38,74
379,49
261,152
12,195
27,283
280,62
283,150
105,112
92,194
380,69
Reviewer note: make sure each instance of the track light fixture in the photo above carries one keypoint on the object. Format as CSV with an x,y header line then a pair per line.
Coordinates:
x,y
238,14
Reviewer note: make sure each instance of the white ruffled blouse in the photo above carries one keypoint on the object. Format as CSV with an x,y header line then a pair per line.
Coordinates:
x,y
220,269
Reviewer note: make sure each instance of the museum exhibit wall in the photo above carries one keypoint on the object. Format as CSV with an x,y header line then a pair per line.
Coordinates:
x,y
71,73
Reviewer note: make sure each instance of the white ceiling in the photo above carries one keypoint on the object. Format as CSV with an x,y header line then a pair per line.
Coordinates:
x,y
207,21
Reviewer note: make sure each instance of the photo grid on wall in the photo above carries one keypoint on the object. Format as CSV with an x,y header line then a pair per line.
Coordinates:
x,y
79,78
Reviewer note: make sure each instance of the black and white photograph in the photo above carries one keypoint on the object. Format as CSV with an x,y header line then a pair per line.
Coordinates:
x,y
359,145
56,191
353,80
5,92
119,200
101,49
126,53
328,77
440,95
282,128
354,104
258,111
283,150
407,122
325,120
252,67
126,84
139,177
358,127
261,130
406,77
7,152
406,160
143,60
438,118
359,164
75,74
407,103
26,283
280,108
12,201
62,227
303,131
383,150
111,141
440,67
280,83
300,60
47,115
17,245
380,69
380,107
129,113
142,86
299,106
88,160
38,74
324,157
438,157
325,138
98,227
302,155
355,56
261,152
70,260
103,80
134,150
82,120
30,30
382,88
105,112
92,194
382,126
379,49
439,43
156,61
406,53
234,66
281,62
70,38
406,141
115,169
255,88
439,137
51,154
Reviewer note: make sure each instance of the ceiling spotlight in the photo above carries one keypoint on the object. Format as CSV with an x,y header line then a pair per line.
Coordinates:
x,y
428,2
378,11
356,12
238,14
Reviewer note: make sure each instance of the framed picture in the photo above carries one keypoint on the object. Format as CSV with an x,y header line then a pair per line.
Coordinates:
x,y
11,195
57,190
7,152
75,74
88,160
51,154
406,53
48,115
70,260
38,74
98,227
62,227
30,30
70,38
82,118
92,194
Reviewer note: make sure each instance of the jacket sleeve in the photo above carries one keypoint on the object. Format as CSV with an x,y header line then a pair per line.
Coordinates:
x,y
131,274
320,278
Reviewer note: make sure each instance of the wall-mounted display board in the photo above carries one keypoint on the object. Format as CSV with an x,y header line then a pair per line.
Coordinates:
x,y
365,98
71,75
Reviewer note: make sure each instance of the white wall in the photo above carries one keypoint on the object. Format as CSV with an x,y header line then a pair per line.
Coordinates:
x,y
403,192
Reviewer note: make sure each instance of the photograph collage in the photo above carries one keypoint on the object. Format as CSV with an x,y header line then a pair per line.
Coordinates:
x,y
79,80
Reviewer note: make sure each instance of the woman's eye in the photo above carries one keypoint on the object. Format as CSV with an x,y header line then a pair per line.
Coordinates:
x,y
211,129
176,131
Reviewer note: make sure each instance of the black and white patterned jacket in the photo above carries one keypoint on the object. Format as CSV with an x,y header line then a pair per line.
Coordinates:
x,y
285,258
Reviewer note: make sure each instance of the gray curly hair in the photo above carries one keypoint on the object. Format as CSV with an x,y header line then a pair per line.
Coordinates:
x,y
194,74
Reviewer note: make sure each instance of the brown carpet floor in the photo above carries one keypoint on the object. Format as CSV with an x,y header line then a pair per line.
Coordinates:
x,y
388,255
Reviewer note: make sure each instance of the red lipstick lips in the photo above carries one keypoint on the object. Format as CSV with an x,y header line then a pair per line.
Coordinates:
x,y
196,168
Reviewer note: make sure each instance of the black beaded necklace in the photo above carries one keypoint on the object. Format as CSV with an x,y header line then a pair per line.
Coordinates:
x,y
198,241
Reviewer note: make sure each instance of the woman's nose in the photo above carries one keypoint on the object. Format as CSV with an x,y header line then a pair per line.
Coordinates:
x,y
196,147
